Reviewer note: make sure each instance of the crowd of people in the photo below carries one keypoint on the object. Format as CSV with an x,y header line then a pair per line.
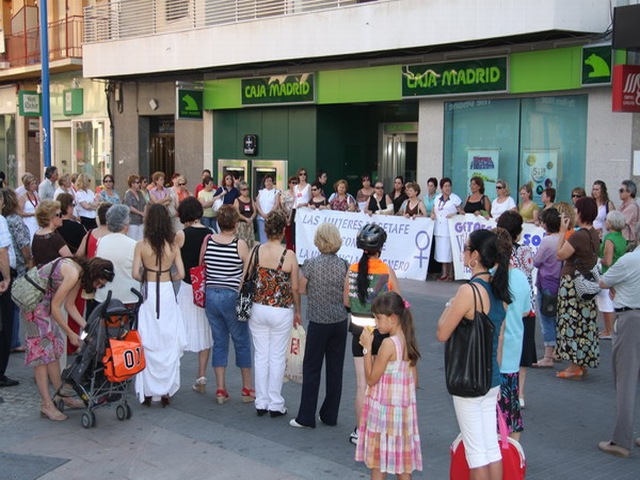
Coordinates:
x,y
83,239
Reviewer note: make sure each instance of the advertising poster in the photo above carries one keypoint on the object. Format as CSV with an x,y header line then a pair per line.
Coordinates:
x,y
540,171
406,250
461,226
483,163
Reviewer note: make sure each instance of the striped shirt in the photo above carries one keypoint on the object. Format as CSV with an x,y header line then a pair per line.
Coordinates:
x,y
223,265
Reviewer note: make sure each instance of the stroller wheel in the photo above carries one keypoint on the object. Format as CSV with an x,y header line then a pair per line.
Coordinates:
x,y
123,412
88,420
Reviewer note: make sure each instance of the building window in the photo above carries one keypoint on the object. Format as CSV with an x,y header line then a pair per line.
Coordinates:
x,y
176,9
540,141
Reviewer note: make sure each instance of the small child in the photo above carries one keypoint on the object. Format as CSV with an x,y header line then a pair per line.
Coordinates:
x,y
389,441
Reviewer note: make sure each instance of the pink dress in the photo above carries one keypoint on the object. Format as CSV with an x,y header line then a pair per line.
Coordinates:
x,y
388,436
43,336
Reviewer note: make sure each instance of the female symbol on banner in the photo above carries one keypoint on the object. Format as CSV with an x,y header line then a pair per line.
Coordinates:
x,y
424,247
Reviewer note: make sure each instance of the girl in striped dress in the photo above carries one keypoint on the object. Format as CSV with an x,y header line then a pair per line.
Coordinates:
x,y
389,441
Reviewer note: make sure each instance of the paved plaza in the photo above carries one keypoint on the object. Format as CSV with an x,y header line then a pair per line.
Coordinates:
x,y
195,438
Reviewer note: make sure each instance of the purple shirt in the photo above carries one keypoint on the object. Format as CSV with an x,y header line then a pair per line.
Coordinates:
x,y
548,265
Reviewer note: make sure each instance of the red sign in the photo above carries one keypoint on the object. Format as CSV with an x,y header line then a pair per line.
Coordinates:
x,y
626,88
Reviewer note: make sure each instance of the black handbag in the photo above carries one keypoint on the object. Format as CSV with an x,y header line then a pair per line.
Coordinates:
x,y
467,354
549,306
245,295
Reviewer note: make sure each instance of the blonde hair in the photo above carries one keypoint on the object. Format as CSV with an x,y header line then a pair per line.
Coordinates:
x,y
27,178
82,182
64,179
327,238
569,211
505,189
46,211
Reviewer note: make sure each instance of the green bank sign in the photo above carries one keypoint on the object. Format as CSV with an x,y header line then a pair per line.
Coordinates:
x,y
468,76
188,104
596,65
278,89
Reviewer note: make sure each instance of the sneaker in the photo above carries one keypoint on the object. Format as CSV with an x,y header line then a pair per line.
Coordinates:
x,y
613,449
295,424
353,438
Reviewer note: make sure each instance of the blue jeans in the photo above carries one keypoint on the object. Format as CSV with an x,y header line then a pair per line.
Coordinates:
x,y
548,324
220,308
210,222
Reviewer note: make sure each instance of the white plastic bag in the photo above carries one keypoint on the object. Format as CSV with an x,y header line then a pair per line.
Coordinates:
x,y
295,354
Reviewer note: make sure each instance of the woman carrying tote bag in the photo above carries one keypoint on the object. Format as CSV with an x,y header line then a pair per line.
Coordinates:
x,y
477,415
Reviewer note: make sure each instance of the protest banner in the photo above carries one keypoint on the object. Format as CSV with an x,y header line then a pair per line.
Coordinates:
x,y
406,250
460,226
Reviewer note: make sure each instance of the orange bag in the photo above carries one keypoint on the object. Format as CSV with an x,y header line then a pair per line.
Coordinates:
x,y
124,357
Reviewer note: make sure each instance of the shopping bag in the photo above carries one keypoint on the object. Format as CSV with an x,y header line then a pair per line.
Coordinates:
x,y
124,357
514,465
295,354
197,274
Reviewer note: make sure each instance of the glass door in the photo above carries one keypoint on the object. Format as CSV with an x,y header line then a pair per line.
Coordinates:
x,y
399,155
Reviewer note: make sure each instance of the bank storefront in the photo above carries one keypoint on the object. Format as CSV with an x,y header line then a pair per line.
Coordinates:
x,y
540,117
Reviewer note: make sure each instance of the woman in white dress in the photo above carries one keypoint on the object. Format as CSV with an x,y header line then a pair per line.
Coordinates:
x,y
301,198
503,201
268,199
160,319
446,205
29,202
196,325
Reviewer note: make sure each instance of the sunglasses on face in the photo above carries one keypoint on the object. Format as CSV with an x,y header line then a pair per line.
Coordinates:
x,y
575,195
108,181
58,214
379,187
499,187
622,190
181,184
302,174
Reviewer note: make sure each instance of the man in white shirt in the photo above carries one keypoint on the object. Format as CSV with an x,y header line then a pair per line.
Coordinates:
x,y
623,278
118,247
47,187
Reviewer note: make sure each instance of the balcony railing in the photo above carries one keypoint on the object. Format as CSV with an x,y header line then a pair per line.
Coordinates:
x,y
65,41
136,18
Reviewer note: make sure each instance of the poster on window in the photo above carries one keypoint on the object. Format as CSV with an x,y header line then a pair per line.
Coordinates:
x,y
483,163
540,171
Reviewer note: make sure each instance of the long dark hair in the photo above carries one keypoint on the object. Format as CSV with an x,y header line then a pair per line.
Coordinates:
x,y
485,242
95,269
158,229
390,303
362,280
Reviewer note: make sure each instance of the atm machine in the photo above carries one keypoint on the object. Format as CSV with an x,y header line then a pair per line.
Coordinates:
x,y
238,168
261,168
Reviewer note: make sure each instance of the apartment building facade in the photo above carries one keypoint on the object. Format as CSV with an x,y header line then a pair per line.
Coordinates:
x,y
514,90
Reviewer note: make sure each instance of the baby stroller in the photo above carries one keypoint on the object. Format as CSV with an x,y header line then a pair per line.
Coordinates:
x,y
110,356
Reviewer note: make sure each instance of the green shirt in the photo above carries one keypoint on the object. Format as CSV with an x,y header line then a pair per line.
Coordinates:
x,y
619,247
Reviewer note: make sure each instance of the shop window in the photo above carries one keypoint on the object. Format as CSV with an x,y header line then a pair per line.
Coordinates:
x,y
91,150
540,141
8,163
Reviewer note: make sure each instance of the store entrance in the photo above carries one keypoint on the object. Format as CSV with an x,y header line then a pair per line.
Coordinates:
x,y
162,146
399,151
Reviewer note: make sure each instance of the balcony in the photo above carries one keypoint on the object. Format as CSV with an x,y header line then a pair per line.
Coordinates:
x,y
65,42
148,37
133,18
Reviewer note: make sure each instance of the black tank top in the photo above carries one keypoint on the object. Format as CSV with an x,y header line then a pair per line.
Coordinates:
x,y
190,251
473,207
